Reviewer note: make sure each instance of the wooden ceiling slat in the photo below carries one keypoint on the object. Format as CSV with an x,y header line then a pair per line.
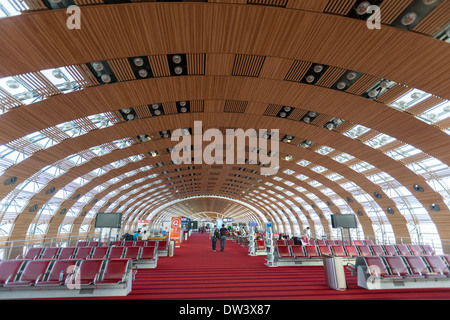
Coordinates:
x,y
424,105
122,69
436,21
330,76
196,63
297,71
391,9
341,7
362,84
393,93
159,65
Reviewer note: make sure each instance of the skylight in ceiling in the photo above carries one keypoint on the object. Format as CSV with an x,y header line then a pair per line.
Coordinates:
x,y
8,10
409,99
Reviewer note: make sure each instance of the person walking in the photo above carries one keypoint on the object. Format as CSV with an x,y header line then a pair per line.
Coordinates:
x,y
223,238
214,235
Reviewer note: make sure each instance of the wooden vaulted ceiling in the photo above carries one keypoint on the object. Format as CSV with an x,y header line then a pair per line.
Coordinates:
x,y
245,62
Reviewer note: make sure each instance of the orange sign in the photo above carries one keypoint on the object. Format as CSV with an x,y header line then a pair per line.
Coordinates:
x,y
175,230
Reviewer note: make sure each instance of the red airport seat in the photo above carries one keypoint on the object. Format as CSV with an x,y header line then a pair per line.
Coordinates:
x,y
260,244
34,269
378,250
132,253
54,277
378,268
290,242
364,250
284,252
88,272
50,253
416,249
81,244
66,253
151,243
339,251
403,249
417,265
437,265
398,266
128,243
390,250
325,249
358,242
116,243
299,252
140,243
8,268
162,244
428,250
116,252
280,243
369,242
83,253
32,253
115,271
320,242
330,242
99,253
148,253
351,250
312,251
93,244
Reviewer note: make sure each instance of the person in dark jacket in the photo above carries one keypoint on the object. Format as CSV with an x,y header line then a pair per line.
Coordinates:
x,y
223,238
214,235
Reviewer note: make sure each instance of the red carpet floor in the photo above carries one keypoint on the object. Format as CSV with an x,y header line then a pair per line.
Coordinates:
x,y
195,272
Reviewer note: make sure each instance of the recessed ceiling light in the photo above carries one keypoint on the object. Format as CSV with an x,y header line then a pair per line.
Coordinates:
x,y
409,18
57,74
178,70
106,78
310,78
351,75
143,73
13,84
362,8
318,68
139,62
176,58
341,85
373,93
98,66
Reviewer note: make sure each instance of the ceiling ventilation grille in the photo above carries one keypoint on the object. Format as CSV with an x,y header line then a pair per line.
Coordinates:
x,y
247,65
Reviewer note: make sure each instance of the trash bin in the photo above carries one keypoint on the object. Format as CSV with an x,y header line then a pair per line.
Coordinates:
x,y
171,248
334,272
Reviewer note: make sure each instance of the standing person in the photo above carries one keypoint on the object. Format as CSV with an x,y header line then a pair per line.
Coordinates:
x,y
214,235
223,238
145,235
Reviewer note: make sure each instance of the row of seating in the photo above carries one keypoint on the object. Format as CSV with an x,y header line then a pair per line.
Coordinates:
x,y
112,252
409,266
52,273
123,243
313,251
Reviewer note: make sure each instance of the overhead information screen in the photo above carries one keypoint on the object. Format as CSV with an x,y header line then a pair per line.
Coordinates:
x,y
108,220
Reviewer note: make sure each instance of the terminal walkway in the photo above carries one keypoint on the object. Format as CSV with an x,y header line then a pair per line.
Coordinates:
x,y
196,272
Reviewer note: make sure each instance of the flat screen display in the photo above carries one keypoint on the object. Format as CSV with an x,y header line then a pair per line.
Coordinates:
x,y
343,221
108,220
